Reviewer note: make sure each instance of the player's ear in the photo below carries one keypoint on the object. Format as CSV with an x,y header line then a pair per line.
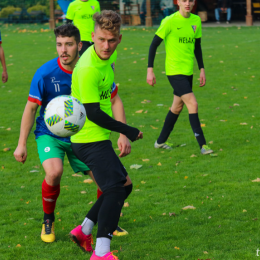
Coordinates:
x,y
120,38
80,46
92,36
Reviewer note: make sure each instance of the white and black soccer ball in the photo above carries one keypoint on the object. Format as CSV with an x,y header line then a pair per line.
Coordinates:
x,y
64,116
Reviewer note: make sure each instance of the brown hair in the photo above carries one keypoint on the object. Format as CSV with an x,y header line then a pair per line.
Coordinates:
x,y
108,20
68,30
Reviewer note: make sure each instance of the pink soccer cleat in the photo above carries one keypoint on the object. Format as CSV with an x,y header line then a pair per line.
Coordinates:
x,y
82,240
108,256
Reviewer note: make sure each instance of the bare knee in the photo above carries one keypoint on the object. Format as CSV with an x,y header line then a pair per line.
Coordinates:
x,y
53,177
177,109
193,106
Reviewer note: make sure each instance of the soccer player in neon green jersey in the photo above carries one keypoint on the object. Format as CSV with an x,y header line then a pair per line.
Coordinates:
x,y
181,33
81,13
91,83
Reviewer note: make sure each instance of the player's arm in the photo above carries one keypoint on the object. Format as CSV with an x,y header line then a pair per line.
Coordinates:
x,y
119,115
2,59
151,80
199,58
28,119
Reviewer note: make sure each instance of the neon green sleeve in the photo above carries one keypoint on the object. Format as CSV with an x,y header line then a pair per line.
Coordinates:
x,y
164,28
88,80
199,31
70,12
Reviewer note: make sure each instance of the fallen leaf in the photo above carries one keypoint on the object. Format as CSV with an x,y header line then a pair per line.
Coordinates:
x,y
153,127
159,164
223,120
176,247
58,213
244,210
203,125
209,217
164,214
188,207
18,245
251,127
137,190
210,142
2,166
221,61
145,160
135,166
205,252
6,149
139,111
91,202
224,93
34,171
88,181
121,214
27,202
76,175
193,155
172,214
182,145
143,182
245,97
134,61
83,192
125,49
186,177
236,105
8,129
243,123
126,204
256,180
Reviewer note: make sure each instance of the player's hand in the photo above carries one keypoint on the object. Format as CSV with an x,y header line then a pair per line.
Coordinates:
x,y
151,80
140,136
4,76
20,154
123,145
202,78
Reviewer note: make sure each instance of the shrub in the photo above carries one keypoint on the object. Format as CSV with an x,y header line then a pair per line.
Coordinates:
x,y
37,7
8,10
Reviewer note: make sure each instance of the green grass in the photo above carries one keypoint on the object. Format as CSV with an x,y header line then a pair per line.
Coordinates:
x,y
219,187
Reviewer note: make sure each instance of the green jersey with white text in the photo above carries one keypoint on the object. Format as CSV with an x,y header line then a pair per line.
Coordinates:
x,y
179,35
82,15
92,81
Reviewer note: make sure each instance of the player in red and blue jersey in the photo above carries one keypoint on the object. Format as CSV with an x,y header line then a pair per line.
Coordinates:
x,y
2,59
51,80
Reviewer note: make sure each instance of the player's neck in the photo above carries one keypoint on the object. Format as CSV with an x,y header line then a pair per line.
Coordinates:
x,y
71,66
184,14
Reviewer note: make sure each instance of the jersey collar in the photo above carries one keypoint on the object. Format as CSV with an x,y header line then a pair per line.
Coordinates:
x,y
66,71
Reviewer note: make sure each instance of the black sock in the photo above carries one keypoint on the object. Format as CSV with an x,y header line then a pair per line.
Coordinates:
x,y
50,216
93,213
169,123
195,125
109,212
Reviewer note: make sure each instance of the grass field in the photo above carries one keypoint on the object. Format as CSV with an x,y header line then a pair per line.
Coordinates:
x,y
225,223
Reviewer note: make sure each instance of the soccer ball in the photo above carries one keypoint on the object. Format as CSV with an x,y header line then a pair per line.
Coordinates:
x,y
64,116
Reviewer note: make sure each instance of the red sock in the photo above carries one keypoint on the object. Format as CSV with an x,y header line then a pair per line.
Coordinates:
x,y
99,193
49,197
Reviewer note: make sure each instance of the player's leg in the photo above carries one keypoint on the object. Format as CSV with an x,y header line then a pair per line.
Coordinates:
x,y
51,156
190,101
81,237
110,176
172,115
217,16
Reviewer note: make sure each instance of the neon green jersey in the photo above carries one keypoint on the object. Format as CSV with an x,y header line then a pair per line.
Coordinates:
x,y
179,35
82,15
92,81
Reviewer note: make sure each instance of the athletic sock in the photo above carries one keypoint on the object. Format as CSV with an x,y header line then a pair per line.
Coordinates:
x,y
49,216
195,125
109,212
169,123
102,246
99,193
50,195
87,226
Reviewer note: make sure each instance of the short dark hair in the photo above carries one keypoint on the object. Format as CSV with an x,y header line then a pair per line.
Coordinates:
x,y
67,30
108,20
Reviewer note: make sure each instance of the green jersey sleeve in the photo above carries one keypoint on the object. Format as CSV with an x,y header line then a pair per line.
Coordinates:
x,y
70,12
199,30
164,28
88,82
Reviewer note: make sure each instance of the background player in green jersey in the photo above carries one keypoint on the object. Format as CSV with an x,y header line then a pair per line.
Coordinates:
x,y
81,13
181,33
91,84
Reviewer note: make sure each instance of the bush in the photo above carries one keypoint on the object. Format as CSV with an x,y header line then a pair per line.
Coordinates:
x,y
8,10
37,8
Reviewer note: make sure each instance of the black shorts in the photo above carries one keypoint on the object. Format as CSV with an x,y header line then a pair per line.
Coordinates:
x,y
102,160
85,46
181,84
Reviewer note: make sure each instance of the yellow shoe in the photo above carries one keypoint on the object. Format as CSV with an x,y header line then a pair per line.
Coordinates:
x,y
48,234
120,232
